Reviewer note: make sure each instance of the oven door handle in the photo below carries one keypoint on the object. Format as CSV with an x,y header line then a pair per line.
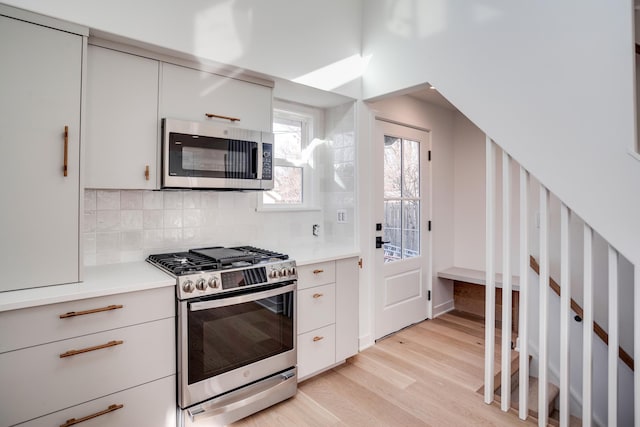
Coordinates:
x,y
223,302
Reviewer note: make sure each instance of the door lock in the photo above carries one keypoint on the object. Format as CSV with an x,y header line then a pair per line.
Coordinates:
x,y
380,242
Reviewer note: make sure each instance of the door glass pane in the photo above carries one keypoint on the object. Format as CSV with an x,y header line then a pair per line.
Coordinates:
x,y
392,230
410,228
401,198
410,169
392,166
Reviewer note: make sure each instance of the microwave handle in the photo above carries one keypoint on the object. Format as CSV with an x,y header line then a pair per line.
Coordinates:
x,y
254,296
258,161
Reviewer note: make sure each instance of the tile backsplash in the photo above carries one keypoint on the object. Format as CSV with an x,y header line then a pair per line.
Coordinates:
x,y
128,225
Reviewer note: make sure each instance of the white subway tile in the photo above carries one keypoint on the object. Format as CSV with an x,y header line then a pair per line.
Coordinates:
x,y
108,220
132,256
173,218
192,236
131,240
131,220
209,199
131,199
89,221
90,203
172,238
173,200
153,219
152,200
103,258
191,200
108,199
153,239
192,218
89,243
107,242
89,260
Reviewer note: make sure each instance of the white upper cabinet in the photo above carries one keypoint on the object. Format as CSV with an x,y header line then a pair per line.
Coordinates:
x,y
122,137
40,97
189,94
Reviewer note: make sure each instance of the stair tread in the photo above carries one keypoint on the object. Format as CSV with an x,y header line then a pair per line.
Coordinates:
x,y
532,396
555,417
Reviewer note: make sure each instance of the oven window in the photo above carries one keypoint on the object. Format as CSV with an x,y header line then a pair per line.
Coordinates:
x,y
225,338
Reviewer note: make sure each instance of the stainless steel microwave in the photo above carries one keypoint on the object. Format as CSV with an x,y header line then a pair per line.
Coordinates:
x,y
213,156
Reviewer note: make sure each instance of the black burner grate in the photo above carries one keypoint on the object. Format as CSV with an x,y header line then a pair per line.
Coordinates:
x,y
180,263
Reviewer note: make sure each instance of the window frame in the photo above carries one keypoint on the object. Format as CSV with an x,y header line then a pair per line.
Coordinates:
x,y
312,121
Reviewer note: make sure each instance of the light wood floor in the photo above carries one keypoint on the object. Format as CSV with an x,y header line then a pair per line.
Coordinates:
x,y
425,375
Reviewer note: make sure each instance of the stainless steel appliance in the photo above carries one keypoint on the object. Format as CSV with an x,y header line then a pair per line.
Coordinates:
x,y
206,155
236,331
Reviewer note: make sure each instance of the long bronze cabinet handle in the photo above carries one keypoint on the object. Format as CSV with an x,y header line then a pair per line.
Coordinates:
x,y
231,119
318,271
74,421
93,310
66,151
88,349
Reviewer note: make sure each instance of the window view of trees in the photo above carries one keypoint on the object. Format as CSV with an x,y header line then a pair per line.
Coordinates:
x,y
288,145
401,198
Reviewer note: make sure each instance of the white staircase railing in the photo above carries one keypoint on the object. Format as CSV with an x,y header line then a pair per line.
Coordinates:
x,y
543,314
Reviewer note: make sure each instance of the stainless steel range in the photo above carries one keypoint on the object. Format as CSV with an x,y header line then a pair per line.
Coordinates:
x,y
236,331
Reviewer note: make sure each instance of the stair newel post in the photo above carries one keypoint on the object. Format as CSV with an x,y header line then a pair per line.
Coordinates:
x,y
490,295
613,338
505,387
543,411
587,349
523,324
565,315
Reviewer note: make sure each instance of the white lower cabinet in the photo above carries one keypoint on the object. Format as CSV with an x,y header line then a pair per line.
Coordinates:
x,y
130,350
327,307
148,405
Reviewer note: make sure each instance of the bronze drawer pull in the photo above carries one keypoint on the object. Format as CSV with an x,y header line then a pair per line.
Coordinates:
x,y
74,421
94,310
146,172
88,349
316,338
231,119
318,271
318,295
66,150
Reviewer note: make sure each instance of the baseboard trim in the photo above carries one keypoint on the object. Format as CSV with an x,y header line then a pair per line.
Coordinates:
x,y
365,342
443,308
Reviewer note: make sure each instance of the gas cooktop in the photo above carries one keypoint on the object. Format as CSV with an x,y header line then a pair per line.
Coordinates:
x,y
213,258
208,271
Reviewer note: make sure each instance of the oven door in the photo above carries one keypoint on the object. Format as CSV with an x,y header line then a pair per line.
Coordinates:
x,y
227,342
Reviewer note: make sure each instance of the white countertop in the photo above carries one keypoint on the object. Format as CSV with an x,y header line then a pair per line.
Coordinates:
x,y
304,255
98,281
138,276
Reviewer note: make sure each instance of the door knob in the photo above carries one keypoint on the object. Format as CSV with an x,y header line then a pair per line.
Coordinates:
x,y
380,242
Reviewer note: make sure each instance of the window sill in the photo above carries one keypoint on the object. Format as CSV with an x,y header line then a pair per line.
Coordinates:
x,y
288,209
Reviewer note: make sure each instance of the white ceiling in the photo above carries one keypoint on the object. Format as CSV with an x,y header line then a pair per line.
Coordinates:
x,y
432,96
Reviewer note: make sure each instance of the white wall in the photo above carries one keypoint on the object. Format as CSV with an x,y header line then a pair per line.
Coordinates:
x,y
282,38
439,121
551,82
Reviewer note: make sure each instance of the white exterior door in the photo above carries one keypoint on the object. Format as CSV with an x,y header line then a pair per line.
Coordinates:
x,y
402,208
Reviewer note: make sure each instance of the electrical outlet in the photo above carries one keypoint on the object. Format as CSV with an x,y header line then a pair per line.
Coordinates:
x,y
316,230
341,216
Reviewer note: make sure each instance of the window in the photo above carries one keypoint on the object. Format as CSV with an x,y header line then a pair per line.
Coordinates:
x,y
292,159
401,198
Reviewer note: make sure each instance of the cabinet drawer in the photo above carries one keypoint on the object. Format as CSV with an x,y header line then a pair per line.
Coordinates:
x,y
316,307
148,405
316,350
43,382
38,325
316,274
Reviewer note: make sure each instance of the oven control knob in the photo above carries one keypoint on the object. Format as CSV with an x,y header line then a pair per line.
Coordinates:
x,y
284,272
292,271
213,283
273,274
201,285
188,286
